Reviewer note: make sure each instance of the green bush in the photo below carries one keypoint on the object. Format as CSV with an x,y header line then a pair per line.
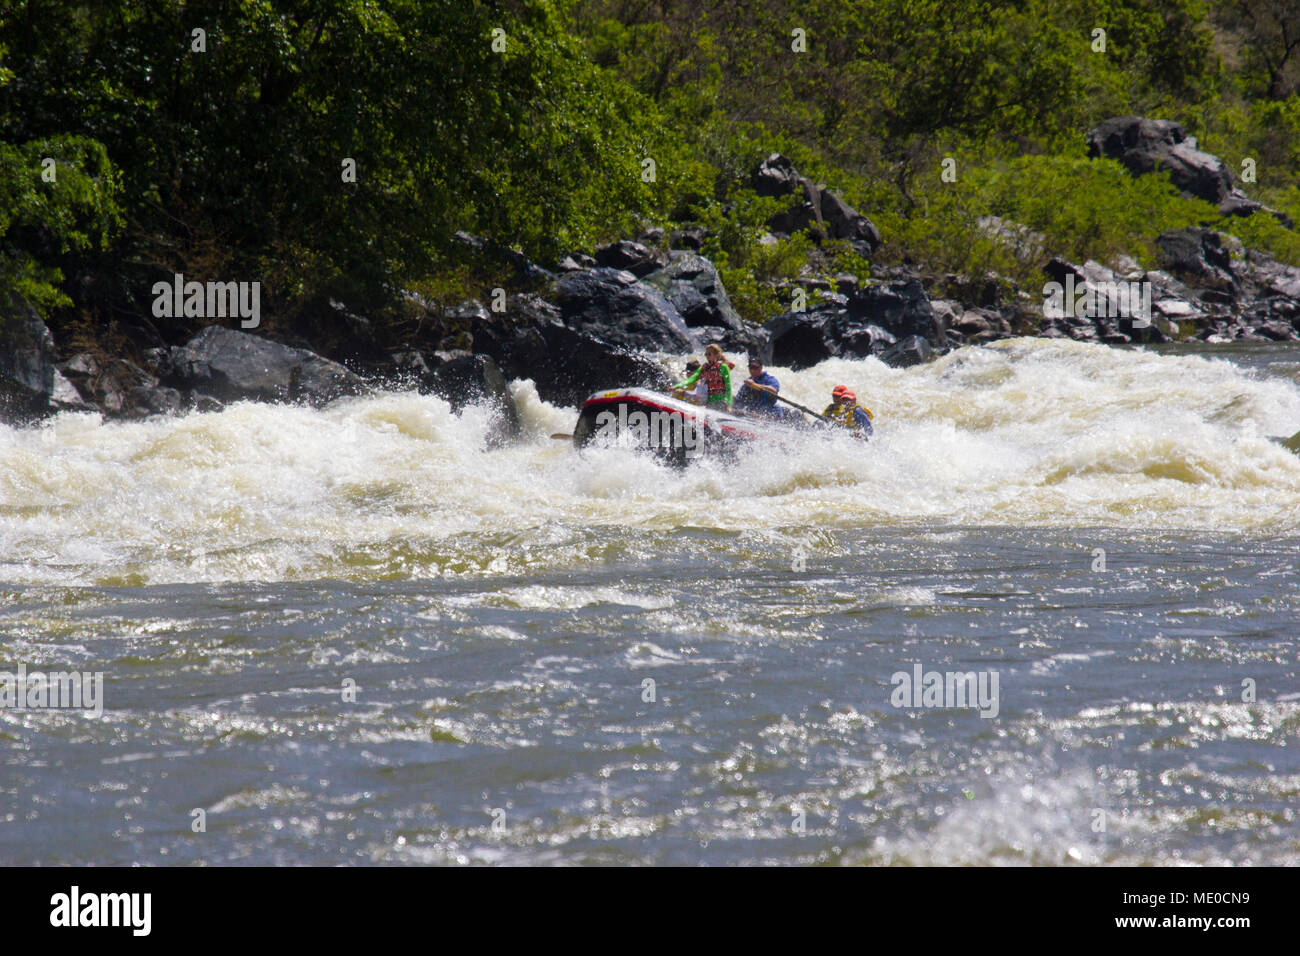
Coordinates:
x,y
42,222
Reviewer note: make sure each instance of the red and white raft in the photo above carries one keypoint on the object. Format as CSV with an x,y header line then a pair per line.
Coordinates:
x,y
674,429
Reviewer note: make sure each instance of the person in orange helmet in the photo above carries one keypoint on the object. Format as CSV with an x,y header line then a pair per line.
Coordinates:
x,y
844,410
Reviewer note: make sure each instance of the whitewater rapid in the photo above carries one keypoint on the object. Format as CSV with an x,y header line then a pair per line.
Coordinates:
x,y
1027,433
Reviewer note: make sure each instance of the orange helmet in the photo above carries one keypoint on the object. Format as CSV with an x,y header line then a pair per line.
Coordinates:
x,y
839,390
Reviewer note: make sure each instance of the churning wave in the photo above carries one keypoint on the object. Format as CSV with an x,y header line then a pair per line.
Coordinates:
x,y
1027,432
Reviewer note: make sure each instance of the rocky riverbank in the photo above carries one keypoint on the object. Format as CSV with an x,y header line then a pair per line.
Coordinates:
x,y
601,319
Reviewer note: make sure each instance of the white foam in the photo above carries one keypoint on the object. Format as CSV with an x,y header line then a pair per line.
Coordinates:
x,y
1028,432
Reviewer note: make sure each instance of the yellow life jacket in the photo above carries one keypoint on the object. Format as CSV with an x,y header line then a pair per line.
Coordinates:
x,y
843,414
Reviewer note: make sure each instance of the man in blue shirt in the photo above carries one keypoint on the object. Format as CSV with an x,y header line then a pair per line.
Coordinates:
x,y
758,393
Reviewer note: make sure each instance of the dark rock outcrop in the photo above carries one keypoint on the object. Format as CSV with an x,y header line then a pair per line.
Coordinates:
x,y
576,262
613,305
873,321
638,259
525,269
819,210
692,284
798,340
745,341
1145,145
688,237
26,363
533,341
913,350
230,366
1198,257
900,308
119,388
330,329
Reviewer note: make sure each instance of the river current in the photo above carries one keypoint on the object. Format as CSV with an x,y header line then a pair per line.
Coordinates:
x,y
359,635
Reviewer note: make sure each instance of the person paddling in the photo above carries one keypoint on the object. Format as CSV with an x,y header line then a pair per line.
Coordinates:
x,y
758,392
715,373
844,410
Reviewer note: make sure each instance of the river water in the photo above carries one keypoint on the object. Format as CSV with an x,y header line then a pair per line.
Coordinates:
x,y
357,635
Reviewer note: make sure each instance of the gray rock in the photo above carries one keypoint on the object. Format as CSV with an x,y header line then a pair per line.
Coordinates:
x,y
146,400
913,350
26,362
64,396
798,339
901,308
842,221
1197,256
632,256
232,366
688,237
612,305
566,363
872,322
575,262
973,322
818,210
1144,146
692,284
744,341
121,389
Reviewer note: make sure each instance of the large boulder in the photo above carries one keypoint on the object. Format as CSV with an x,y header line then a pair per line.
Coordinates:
x,y
229,366
1198,257
913,350
27,373
776,177
799,340
869,322
1267,277
332,330
688,237
692,284
842,221
900,308
613,305
636,258
532,340
1144,146
814,208
525,269
743,341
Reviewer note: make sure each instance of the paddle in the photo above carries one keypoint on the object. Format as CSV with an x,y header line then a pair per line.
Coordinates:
x,y
1291,444
808,411
562,437
780,398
